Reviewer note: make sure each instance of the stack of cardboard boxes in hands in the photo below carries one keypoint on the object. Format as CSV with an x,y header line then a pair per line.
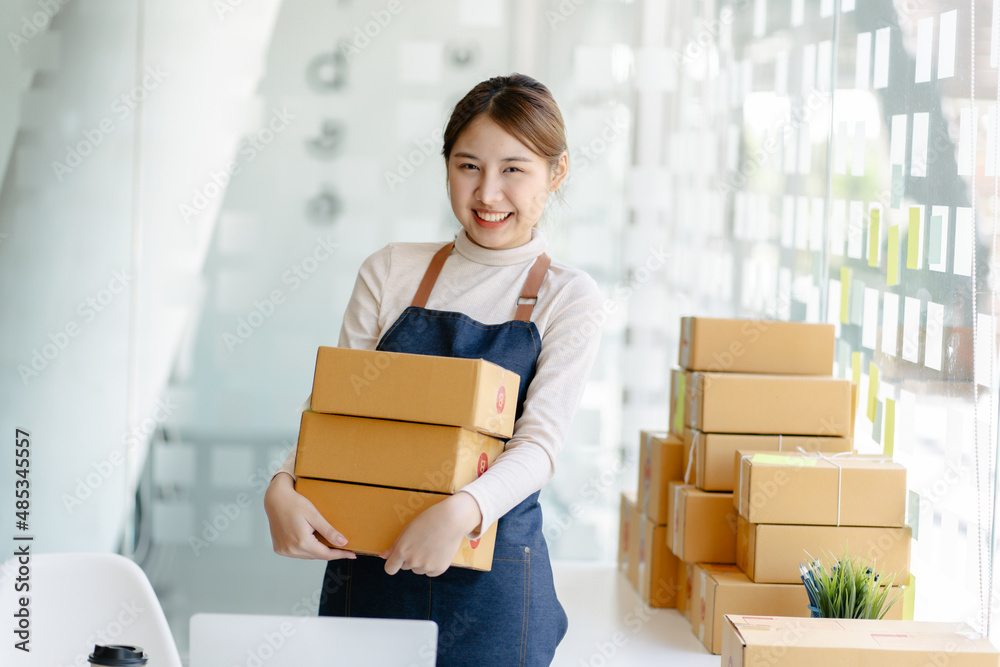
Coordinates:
x,y
389,435
753,396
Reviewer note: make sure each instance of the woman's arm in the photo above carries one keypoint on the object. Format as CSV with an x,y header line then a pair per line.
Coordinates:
x,y
569,348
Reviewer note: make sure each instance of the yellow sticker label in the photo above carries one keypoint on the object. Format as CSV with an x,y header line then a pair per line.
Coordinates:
x,y
872,389
909,597
913,239
784,460
892,265
890,427
873,237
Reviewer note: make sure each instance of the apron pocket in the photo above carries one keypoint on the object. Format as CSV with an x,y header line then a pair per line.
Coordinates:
x,y
486,609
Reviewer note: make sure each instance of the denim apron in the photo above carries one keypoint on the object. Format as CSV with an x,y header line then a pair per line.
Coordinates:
x,y
510,615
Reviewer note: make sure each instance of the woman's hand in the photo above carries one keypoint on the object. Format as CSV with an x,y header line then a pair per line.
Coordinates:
x,y
293,521
429,543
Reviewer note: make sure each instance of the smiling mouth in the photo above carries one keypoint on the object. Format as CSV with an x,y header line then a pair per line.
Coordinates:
x,y
490,218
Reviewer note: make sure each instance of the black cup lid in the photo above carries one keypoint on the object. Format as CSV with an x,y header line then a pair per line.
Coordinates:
x,y
118,655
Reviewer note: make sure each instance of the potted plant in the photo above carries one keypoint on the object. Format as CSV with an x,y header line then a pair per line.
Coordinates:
x,y
849,589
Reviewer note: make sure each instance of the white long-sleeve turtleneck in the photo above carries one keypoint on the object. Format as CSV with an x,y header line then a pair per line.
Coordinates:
x,y
485,284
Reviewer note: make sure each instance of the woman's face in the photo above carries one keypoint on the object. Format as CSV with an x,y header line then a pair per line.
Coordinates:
x,y
498,185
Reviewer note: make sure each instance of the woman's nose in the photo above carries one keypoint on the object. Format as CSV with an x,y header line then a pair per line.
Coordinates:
x,y
489,189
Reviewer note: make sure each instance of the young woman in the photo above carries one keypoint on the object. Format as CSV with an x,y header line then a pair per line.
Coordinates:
x,y
491,294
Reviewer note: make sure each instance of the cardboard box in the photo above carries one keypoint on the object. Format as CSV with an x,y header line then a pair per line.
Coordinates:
x,y
684,572
632,570
827,642
772,553
678,393
713,453
660,461
797,488
658,583
405,455
756,346
723,592
371,517
690,457
624,529
702,525
699,582
768,404
642,483
449,391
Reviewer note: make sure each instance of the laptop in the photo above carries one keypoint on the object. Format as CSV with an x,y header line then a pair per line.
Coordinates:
x,y
226,640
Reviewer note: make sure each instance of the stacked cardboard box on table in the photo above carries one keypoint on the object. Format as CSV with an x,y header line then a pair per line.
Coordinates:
x,y
825,642
755,386
643,554
389,435
795,505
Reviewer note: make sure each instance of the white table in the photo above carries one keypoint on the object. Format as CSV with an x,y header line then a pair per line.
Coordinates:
x,y
610,625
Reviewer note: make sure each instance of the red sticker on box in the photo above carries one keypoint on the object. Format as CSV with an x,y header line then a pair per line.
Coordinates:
x,y
501,399
484,464
474,543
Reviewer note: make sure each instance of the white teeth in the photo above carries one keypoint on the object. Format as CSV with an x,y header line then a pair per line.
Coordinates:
x,y
492,217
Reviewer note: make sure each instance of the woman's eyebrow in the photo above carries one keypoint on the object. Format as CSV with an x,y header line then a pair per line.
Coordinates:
x,y
512,158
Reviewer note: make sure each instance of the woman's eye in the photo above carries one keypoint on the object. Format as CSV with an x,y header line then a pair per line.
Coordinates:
x,y
467,166
512,169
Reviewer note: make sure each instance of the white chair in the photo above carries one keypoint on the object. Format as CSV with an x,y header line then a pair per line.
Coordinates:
x,y
294,641
77,600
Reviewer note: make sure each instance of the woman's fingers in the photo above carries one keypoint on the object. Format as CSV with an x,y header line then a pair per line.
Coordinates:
x,y
322,526
295,523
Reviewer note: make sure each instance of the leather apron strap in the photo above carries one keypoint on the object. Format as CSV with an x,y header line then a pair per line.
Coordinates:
x,y
431,276
529,292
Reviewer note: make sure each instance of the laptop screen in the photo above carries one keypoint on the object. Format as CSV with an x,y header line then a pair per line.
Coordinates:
x,y
245,640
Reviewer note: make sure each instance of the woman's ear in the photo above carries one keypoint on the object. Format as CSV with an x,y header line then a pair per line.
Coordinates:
x,y
559,172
